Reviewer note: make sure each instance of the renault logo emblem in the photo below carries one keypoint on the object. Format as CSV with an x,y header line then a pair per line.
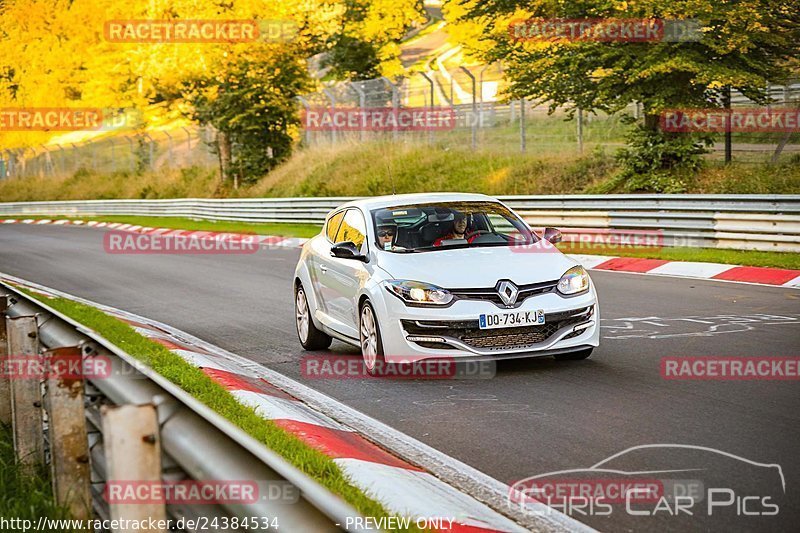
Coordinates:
x,y
508,292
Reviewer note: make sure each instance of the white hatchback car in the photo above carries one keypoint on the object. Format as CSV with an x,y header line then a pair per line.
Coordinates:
x,y
457,276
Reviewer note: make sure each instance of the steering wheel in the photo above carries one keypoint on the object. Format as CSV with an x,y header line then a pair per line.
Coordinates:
x,y
476,233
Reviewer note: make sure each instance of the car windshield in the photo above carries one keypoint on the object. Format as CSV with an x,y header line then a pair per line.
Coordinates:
x,y
439,226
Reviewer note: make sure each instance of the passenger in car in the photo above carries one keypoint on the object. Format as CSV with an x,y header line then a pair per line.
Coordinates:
x,y
459,230
386,233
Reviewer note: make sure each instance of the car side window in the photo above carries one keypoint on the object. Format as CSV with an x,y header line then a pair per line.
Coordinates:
x,y
353,229
333,226
503,226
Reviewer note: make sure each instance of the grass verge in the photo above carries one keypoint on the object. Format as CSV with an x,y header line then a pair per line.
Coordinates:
x,y
281,229
373,168
25,493
191,379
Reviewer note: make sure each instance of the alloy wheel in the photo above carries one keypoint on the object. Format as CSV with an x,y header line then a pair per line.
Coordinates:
x,y
301,313
369,337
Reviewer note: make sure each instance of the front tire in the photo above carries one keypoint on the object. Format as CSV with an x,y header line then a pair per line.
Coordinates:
x,y
574,356
371,342
310,337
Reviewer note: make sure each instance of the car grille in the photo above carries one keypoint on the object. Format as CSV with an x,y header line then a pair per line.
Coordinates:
x,y
509,338
491,295
468,332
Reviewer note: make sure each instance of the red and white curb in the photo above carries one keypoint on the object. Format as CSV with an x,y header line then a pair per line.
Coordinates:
x,y
264,241
683,269
405,489
688,269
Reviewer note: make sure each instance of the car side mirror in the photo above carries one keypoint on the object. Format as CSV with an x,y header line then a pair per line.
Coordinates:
x,y
347,250
552,235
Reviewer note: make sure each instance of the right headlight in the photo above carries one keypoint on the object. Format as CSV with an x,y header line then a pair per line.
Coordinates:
x,y
415,292
574,281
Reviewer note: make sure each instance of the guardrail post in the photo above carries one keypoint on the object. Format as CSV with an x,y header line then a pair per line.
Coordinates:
x,y
306,133
782,143
432,85
188,141
726,102
48,160
69,445
452,102
332,99
151,151
132,447
362,104
5,386
63,156
523,138
169,149
75,163
474,108
26,392
113,155
395,103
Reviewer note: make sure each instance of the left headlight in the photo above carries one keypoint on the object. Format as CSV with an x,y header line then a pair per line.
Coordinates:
x,y
574,281
416,292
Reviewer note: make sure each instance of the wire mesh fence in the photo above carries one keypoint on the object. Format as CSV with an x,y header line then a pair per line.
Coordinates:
x,y
481,120
465,101
182,148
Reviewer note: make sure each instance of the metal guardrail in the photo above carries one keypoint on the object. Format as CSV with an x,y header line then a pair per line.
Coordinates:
x,y
195,442
751,222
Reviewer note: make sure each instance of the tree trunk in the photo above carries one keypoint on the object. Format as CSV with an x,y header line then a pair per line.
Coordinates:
x,y
651,122
224,143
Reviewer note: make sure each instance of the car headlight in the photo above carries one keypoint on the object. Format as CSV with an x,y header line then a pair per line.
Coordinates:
x,y
574,281
416,292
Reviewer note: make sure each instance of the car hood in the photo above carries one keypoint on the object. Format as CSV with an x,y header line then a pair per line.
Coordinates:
x,y
478,267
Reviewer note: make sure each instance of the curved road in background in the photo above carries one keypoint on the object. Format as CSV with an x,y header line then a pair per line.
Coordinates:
x,y
534,416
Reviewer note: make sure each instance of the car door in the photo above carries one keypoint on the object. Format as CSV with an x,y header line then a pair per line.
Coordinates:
x,y
344,277
320,259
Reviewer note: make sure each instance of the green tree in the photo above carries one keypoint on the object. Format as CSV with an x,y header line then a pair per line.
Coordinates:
x,y
367,43
743,45
251,102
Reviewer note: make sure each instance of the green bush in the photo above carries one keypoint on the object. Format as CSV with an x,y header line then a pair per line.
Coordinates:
x,y
657,161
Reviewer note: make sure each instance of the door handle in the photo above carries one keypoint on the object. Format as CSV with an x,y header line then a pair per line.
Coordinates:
x,y
324,269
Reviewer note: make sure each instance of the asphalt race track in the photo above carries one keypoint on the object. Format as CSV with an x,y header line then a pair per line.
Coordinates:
x,y
535,416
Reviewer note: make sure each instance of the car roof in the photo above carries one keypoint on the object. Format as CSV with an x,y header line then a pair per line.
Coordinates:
x,y
377,202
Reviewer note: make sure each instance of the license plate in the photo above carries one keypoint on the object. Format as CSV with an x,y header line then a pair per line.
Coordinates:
x,y
511,319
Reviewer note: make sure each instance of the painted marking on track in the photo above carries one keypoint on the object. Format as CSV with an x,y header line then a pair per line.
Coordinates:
x,y
691,326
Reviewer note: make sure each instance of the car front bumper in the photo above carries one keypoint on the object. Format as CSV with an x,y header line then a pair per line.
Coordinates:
x,y
416,333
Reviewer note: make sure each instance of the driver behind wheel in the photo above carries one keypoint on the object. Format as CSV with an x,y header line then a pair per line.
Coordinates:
x,y
459,230
386,237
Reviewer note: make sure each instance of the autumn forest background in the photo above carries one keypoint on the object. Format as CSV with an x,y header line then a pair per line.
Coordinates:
x,y
55,54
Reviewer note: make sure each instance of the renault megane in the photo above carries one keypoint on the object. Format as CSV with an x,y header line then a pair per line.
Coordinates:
x,y
457,276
